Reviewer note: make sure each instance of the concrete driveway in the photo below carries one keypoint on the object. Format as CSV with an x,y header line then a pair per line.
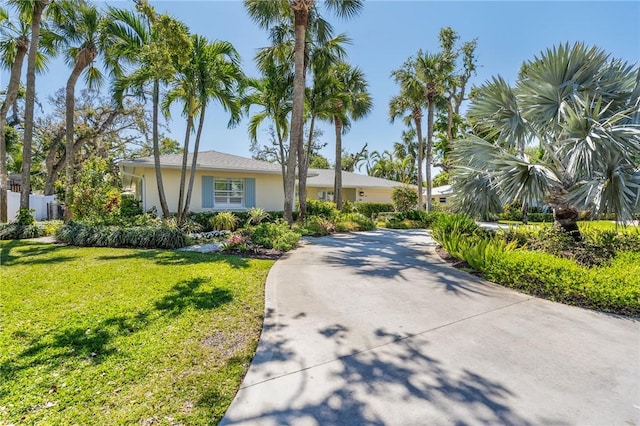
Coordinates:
x,y
374,329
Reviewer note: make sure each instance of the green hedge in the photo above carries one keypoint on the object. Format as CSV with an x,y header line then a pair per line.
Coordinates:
x,y
614,288
372,209
163,237
275,235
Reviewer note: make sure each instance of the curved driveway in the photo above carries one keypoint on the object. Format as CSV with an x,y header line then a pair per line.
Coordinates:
x,y
373,328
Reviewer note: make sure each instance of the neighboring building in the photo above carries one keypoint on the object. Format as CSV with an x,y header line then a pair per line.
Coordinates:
x,y
230,182
440,195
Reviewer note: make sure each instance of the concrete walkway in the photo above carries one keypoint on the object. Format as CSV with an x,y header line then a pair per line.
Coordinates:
x,y
374,329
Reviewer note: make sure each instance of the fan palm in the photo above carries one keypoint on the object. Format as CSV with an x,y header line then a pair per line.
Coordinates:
x,y
582,107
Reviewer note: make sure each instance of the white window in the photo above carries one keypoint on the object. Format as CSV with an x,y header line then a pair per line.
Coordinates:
x,y
228,192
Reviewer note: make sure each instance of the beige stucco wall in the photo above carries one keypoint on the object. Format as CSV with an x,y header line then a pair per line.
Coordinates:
x,y
269,192
353,194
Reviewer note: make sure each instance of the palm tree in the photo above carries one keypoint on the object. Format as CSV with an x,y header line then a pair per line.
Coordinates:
x,y
78,25
13,49
582,107
152,45
273,93
271,14
213,72
412,99
31,11
349,100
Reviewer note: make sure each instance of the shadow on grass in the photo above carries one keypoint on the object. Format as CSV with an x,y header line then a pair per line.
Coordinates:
x,y
170,257
94,343
17,252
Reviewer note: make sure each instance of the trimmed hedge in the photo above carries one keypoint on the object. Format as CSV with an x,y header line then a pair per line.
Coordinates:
x,y
79,234
614,288
372,209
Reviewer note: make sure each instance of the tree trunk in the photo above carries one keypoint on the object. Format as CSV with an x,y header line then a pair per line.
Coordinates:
x,y
22,47
70,106
301,19
304,153
565,218
30,99
429,150
194,162
417,118
525,213
337,186
156,150
183,171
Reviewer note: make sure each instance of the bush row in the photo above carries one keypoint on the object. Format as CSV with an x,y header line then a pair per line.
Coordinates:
x,y
16,231
80,234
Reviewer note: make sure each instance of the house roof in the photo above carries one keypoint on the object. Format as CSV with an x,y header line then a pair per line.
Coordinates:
x,y
209,160
325,178
438,191
214,160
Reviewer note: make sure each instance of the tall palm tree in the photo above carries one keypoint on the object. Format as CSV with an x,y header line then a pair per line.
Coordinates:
x,y
349,100
77,25
582,107
213,73
412,99
14,46
144,48
270,14
31,11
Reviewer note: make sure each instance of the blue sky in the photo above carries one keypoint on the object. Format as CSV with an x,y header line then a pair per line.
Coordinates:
x,y
388,32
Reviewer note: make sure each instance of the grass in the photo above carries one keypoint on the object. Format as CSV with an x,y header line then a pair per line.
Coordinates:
x,y
124,336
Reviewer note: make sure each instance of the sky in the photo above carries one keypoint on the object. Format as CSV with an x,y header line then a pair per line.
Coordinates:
x,y
384,35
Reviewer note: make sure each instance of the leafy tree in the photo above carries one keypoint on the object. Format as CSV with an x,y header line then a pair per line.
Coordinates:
x,y
272,14
319,161
582,107
404,198
96,195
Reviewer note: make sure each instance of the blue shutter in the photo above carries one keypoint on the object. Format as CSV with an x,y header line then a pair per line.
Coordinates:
x,y
207,192
249,192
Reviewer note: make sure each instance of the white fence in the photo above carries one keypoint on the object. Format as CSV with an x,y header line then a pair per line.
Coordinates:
x,y
36,202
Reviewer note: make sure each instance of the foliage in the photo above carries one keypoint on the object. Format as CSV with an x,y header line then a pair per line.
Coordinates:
x,y
614,288
84,235
236,242
404,198
351,222
25,217
102,335
129,206
275,235
95,195
257,215
371,209
15,231
224,221
448,223
317,226
412,219
326,209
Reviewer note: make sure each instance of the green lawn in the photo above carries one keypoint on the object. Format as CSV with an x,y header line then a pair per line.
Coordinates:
x,y
123,336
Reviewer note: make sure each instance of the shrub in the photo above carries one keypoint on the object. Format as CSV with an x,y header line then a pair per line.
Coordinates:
x,y
404,198
275,235
317,226
51,226
372,209
257,215
349,222
237,242
80,234
326,209
25,217
448,223
224,221
129,206
15,231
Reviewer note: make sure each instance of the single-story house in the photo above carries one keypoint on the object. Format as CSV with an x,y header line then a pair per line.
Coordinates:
x,y
230,182
440,194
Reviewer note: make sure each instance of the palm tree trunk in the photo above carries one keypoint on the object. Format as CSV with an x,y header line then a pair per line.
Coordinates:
x,y
22,47
70,106
565,218
430,114
194,162
183,171
337,186
283,157
417,117
303,169
156,150
30,100
301,20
